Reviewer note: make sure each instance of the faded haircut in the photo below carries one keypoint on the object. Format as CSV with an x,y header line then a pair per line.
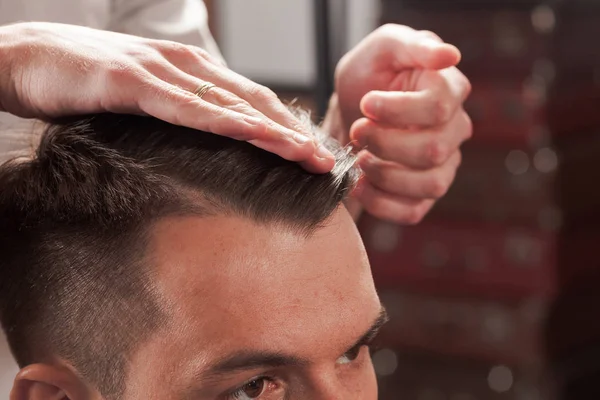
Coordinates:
x,y
74,220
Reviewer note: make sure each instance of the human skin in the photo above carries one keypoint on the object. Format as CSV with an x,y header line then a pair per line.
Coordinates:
x,y
229,285
399,100
254,288
398,97
49,70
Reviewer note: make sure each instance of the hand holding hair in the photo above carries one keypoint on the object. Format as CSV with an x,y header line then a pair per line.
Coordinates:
x,y
49,70
400,98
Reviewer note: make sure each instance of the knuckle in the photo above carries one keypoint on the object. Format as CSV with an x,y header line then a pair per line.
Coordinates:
x,y
170,50
220,113
148,58
386,33
441,110
387,28
243,105
260,92
154,65
172,96
468,86
391,29
468,125
199,52
436,153
121,72
181,113
303,127
226,98
429,34
218,117
413,216
437,187
178,118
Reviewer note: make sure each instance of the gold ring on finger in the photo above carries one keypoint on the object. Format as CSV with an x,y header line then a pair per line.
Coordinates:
x,y
203,89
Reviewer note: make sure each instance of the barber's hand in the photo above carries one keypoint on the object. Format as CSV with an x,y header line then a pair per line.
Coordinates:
x,y
49,70
399,97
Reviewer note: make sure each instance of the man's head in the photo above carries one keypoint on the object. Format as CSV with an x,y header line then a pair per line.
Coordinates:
x,y
140,260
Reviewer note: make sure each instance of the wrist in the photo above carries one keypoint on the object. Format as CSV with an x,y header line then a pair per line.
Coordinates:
x,y
7,55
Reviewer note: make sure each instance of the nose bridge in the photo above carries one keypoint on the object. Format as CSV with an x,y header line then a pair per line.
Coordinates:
x,y
330,390
327,385
337,382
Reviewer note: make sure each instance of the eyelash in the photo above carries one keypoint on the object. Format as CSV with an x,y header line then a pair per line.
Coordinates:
x,y
368,343
237,393
353,353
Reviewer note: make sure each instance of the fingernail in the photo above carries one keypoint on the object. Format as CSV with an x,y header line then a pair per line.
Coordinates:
x,y
322,152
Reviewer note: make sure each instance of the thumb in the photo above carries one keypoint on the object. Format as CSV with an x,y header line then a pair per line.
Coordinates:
x,y
405,47
433,54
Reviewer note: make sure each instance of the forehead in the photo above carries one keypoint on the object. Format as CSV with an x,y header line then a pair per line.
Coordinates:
x,y
229,283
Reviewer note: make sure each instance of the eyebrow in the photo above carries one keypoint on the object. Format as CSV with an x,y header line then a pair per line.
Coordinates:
x,y
248,360
373,331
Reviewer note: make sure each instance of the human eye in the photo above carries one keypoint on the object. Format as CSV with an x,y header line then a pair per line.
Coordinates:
x,y
351,355
257,388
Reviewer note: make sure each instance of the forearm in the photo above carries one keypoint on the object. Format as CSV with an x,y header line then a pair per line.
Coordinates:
x,y
15,41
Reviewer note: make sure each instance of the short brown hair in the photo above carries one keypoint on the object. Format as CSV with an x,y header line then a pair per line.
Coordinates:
x,y
74,218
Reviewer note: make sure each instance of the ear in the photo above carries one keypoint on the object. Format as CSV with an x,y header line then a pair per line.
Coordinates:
x,y
49,382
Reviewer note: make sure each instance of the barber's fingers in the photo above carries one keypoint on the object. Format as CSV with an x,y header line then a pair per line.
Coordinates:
x,y
403,47
218,106
223,98
287,143
430,98
206,55
395,179
178,106
182,54
278,130
258,96
415,149
181,107
383,205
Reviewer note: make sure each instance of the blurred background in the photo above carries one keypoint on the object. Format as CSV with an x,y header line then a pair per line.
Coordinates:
x,y
496,294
